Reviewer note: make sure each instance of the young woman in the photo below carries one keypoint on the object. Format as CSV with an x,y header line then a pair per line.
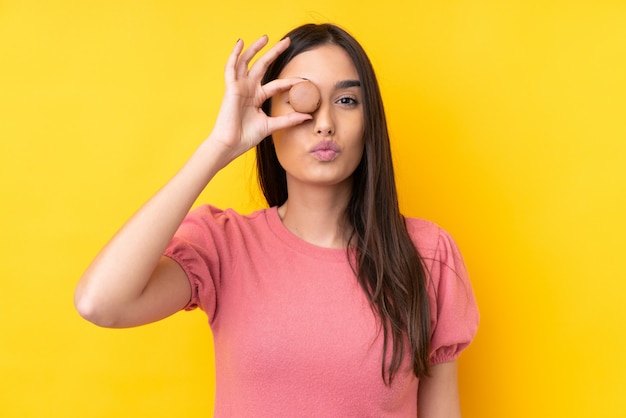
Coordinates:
x,y
329,302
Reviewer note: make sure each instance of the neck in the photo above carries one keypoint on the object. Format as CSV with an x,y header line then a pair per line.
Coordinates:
x,y
318,215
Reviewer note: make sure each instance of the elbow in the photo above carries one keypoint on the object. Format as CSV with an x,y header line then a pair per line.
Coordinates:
x,y
94,310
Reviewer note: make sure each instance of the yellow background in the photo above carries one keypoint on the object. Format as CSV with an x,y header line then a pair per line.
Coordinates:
x,y
509,127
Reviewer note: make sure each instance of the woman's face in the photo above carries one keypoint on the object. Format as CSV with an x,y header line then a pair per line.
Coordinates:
x,y
326,150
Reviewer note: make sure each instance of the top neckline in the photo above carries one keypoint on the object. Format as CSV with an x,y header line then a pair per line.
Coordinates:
x,y
298,244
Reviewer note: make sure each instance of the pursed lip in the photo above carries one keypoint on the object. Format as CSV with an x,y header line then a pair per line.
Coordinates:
x,y
325,146
325,151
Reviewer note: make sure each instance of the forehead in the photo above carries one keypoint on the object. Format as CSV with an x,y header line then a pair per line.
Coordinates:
x,y
325,62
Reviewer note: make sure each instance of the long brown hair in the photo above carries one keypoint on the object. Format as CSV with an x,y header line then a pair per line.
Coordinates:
x,y
388,266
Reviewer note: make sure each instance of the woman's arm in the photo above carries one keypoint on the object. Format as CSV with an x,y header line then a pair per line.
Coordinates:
x,y
130,283
438,394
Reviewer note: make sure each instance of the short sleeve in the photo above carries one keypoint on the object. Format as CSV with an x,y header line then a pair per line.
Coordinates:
x,y
198,247
453,308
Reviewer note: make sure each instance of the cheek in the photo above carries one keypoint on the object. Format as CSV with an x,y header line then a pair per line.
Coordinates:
x,y
279,106
359,154
355,138
283,144
360,151
354,154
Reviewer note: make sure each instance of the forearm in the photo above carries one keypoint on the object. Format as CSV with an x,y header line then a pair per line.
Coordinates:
x,y
438,394
121,271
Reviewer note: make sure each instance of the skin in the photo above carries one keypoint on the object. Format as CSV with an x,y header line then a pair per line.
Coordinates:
x,y
319,190
438,394
130,283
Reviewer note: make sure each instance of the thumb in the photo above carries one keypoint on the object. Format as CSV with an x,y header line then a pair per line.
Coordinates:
x,y
277,123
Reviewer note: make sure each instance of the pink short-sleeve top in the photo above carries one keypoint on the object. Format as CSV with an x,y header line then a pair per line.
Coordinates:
x,y
294,334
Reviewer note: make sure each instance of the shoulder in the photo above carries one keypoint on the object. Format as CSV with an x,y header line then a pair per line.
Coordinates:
x,y
427,236
436,246
209,226
211,217
209,213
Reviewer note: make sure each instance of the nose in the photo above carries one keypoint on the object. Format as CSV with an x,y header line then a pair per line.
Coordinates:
x,y
324,123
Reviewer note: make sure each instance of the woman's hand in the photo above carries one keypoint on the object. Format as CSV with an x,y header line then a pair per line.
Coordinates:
x,y
241,123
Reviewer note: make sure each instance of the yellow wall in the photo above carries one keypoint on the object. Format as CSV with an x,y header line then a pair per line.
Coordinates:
x,y
508,120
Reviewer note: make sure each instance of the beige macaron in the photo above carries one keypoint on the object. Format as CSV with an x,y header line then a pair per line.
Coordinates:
x,y
304,97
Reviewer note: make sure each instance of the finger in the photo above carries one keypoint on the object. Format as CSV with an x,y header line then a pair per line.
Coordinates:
x,y
260,66
229,69
248,54
279,85
286,121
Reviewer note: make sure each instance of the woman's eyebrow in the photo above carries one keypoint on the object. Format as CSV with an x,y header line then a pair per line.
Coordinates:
x,y
344,84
